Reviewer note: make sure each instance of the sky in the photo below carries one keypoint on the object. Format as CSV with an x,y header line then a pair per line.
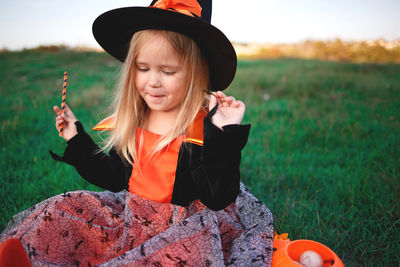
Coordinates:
x,y
29,23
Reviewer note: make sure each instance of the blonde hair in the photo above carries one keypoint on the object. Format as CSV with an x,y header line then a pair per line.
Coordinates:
x,y
130,110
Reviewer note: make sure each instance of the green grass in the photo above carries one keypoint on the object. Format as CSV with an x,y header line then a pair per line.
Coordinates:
x,y
323,152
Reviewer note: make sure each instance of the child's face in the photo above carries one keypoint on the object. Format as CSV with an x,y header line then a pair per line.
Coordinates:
x,y
160,76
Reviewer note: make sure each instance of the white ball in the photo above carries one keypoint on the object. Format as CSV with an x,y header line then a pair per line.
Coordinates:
x,y
310,258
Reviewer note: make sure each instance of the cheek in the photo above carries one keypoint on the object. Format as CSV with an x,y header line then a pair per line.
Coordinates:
x,y
138,81
180,89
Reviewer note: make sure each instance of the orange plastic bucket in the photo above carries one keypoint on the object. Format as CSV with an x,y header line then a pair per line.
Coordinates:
x,y
13,254
287,252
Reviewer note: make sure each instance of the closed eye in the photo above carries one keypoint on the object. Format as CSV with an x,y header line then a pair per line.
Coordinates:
x,y
169,72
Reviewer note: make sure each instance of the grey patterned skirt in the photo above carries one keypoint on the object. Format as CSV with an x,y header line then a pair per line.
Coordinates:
x,y
85,228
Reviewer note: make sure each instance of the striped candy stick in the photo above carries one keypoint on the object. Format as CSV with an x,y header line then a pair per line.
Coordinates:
x,y
64,93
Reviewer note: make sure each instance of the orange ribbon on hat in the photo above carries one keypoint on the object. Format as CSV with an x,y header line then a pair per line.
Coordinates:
x,y
185,7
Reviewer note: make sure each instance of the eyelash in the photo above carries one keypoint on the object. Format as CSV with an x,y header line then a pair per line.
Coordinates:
x,y
165,72
169,72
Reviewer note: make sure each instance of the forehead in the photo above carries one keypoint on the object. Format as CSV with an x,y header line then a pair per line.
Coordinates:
x,y
155,48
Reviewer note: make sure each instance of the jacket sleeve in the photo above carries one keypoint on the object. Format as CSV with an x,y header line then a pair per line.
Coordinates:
x,y
92,164
217,177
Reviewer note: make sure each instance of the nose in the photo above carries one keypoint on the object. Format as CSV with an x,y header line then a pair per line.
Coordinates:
x,y
154,79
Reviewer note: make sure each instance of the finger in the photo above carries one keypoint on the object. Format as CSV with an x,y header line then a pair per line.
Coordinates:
x,y
219,100
67,118
58,126
235,104
56,109
241,104
213,102
220,94
230,99
227,101
225,104
67,109
70,114
60,119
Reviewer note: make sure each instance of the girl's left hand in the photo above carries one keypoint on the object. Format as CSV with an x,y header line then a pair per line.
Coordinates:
x,y
230,110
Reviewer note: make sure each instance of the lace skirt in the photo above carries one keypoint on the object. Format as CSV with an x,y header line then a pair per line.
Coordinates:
x,y
84,228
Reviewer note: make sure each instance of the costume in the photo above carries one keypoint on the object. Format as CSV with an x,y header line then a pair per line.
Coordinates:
x,y
213,167
206,217
85,228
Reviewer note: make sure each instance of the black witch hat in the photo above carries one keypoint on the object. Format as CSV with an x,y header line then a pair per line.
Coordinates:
x,y
113,30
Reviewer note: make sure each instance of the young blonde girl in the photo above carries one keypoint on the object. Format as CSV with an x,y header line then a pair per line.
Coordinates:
x,y
172,170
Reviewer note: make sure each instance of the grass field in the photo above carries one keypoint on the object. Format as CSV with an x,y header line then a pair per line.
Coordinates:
x,y
323,152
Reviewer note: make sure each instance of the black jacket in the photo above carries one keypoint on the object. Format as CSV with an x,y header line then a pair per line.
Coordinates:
x,y
209,172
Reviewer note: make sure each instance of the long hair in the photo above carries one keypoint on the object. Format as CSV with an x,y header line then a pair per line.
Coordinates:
x,y
130,110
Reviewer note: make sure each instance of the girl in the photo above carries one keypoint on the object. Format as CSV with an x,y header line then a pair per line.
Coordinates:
x,y
172,171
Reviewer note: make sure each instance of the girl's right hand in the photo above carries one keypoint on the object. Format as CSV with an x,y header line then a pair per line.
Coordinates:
x,y
67,119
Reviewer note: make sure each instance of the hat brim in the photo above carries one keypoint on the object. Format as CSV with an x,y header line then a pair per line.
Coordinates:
x,y
113,30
